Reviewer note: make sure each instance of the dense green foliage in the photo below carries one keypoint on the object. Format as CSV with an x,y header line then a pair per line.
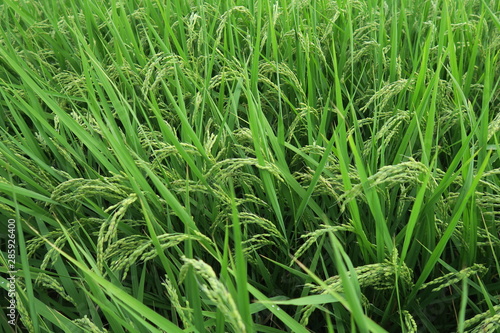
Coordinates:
x,y
252,166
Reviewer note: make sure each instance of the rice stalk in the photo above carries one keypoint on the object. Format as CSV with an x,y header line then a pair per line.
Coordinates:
x,y
88,326
215,291
45,281
453,278
184,312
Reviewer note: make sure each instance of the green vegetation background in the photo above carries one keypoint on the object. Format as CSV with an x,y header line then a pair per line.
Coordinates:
x,y
251,166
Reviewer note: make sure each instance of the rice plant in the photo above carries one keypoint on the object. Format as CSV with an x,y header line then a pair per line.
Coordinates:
x,y
250,166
